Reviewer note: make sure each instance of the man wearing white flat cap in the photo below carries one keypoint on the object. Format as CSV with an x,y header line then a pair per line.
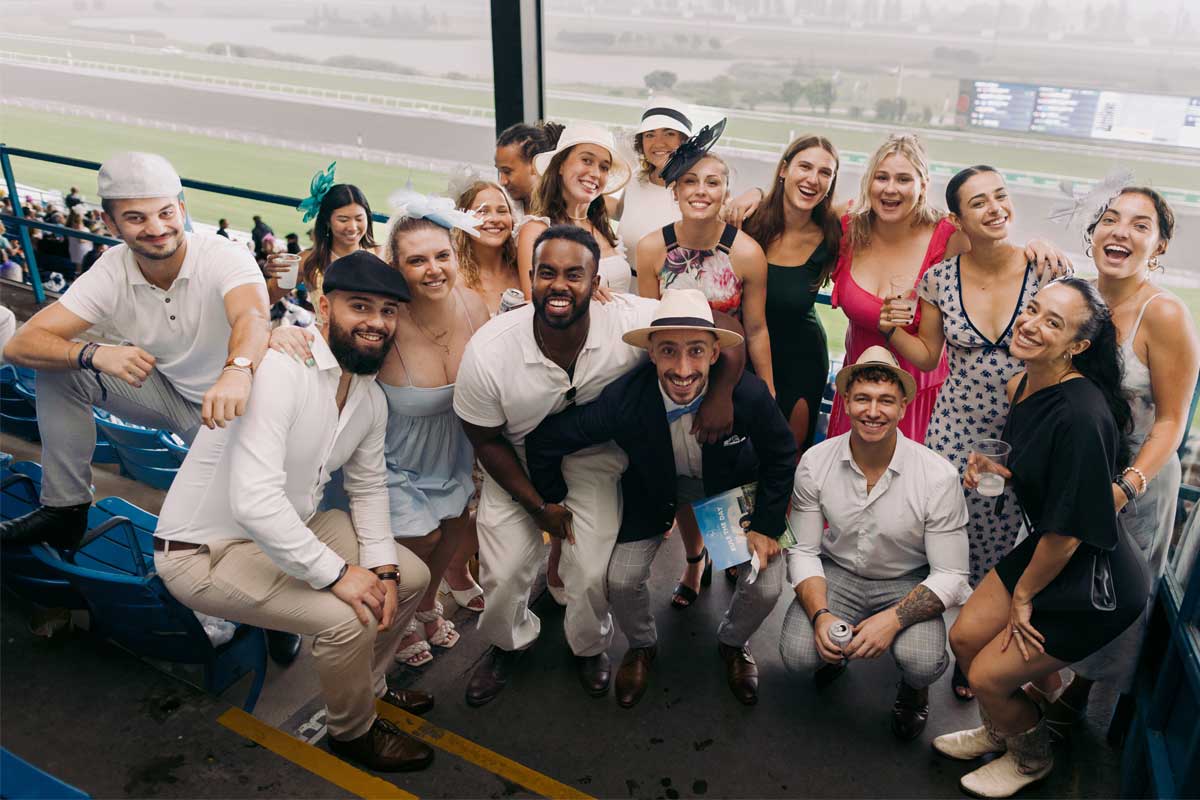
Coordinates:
x,y
192,311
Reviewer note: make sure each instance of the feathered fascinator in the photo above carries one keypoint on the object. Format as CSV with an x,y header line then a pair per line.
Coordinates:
x,y
410,204
322,182
692,151
1085,203
461,179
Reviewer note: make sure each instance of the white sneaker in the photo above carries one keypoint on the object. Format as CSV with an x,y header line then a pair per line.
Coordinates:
x,y
968,745
1002,777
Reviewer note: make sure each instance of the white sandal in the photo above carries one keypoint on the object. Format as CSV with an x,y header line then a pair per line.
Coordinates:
x,y
417,654
464,597
445,636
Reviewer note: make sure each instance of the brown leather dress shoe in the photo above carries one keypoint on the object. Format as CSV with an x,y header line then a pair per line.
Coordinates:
x,y
595,672
414,701
385,748
632,676
910,712
491,676
741,672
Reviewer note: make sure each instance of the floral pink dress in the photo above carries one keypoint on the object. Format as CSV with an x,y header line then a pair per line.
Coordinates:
x,y
862,309
710,271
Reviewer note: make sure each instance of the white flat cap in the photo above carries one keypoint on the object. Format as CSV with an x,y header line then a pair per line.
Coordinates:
x,y
130,175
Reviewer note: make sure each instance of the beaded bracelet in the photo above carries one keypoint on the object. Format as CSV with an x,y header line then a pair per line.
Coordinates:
x,y
1140,474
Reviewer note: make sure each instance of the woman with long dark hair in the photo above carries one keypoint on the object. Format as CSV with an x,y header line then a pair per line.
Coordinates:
x,y
1079,579
797,227
1161,356
969,305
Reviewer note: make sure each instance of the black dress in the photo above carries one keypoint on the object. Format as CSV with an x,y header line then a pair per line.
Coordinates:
x,y
1064,454
799,350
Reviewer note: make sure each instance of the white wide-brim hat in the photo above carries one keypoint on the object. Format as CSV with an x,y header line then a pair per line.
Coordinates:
x,y
133,175
666,112
682,310
877,356
586,133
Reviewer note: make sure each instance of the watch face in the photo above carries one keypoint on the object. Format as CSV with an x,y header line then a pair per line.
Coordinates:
x,y
241,361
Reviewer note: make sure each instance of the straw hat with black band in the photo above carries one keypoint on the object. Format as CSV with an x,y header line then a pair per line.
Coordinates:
x,y
586,133
682,310
665,112
881,357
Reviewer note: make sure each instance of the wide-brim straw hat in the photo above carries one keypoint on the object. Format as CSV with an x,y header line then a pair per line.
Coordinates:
x,y
666,112
586,133
682,310
877,356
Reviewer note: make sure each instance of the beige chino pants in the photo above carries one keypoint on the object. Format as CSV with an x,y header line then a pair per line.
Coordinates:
x,y
236,580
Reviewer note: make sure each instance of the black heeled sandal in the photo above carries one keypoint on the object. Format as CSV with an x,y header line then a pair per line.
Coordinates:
x,y
684,595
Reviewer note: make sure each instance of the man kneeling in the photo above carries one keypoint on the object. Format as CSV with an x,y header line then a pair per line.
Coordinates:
x,y
894,555
238,537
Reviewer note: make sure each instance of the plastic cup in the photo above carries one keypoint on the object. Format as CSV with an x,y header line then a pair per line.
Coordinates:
x,y
901,288
287,280
993,451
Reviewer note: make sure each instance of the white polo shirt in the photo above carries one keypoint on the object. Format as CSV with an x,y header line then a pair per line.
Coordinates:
x,y
506,380
185,327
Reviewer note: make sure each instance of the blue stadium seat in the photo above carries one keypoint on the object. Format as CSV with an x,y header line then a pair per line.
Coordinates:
x,y
141,452
174,444
18,413
20,572
20,779
129,605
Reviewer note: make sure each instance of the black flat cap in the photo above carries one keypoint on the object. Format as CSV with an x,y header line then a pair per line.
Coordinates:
x,y
365,273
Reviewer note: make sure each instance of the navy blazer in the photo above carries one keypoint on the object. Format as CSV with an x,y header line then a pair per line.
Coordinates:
x,y
630,411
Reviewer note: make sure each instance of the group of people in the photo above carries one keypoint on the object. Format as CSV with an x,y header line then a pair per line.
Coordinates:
x,y
607,343
66,255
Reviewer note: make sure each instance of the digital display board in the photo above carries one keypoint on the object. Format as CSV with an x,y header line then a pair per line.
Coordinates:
x,y
1080,113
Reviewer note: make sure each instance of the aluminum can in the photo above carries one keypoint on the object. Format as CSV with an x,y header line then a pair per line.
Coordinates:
x,y
512,298
840,634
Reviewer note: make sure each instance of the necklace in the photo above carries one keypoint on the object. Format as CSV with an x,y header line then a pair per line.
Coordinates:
x,y
434,338
584,218
537,335
1112,309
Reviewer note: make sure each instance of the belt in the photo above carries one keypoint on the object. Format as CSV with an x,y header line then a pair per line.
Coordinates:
x,y
165,546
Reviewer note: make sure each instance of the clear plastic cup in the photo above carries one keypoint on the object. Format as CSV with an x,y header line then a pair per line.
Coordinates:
x,y
287,280
994,451
901,287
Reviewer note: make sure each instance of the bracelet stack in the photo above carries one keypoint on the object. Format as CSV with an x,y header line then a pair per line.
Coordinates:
x,y
1127,486
86,360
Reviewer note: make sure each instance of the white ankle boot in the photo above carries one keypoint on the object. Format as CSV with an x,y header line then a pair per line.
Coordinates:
x,y
970,744
1028,760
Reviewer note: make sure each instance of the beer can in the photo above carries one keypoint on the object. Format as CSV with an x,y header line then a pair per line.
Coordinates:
x,y
840,634
512,298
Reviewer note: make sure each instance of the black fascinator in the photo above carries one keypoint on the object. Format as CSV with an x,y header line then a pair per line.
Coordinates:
x,y
692,151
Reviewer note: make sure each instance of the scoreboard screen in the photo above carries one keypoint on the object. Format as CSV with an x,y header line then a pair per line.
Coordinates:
x,y
1080,113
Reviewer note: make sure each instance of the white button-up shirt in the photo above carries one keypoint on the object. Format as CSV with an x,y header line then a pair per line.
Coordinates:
x,y
263,476
915,515
184,327
689,458
506,380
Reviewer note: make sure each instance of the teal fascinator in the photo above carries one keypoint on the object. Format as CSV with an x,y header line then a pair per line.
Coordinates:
x,y
322,182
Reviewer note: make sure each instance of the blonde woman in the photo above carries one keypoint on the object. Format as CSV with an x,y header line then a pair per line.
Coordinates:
x,y
487,264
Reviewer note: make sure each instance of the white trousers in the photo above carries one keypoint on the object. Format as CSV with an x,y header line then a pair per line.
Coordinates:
x,y
511,547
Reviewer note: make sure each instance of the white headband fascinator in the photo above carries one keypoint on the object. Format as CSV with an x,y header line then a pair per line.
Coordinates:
x,y
410,204
1084,203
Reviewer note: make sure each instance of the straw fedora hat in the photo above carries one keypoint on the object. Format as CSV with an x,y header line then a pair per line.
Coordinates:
x,y
682,310
877,356
587,133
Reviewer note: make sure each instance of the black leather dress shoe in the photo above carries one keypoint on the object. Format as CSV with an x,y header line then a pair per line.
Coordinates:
x,y
633,675
741,672
414,701
59,526
491,676
385,748
283,647
595,672
910,712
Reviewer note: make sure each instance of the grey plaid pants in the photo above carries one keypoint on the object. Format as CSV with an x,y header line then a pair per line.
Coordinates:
x,y
919,650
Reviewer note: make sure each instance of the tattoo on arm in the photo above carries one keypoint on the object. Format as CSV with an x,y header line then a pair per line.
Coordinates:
x,y
919,605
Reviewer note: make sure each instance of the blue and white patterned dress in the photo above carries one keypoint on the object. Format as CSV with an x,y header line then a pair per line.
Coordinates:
x,y
973,405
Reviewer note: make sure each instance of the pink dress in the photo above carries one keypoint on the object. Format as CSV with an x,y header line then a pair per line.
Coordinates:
x,y
862,309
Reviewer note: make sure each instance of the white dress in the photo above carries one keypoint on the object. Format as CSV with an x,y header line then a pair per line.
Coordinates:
x,y
647,208
615,271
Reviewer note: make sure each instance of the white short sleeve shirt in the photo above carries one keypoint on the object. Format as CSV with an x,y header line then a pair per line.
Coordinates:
x,y
184,327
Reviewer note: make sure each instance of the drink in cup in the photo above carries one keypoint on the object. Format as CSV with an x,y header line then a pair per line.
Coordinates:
x,y
287,280
995,451
901,288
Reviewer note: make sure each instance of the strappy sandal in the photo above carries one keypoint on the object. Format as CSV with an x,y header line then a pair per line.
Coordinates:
x,y
958,683
445,636
417,654
684,595
465,598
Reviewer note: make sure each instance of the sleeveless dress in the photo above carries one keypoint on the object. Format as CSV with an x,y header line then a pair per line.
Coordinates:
x,y
1149,519
973,404
862,309
429,458
799,347
710,271
615,271
646,208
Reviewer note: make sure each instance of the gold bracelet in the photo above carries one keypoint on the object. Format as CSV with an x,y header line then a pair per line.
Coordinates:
x,y
1140,474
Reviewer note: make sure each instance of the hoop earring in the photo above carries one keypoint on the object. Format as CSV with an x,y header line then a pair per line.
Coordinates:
x,y
1153,263
1087,251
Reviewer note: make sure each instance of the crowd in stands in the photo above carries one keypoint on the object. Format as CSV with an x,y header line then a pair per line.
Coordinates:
x,y
592,344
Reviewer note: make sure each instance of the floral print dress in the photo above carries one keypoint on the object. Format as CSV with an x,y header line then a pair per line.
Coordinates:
x,y
710,271
973,405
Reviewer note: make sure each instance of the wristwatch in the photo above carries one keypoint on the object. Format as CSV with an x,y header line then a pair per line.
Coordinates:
x,y
241,362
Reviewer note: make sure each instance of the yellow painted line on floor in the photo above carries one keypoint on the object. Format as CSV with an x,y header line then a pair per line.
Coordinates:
x,y
479,755
318,762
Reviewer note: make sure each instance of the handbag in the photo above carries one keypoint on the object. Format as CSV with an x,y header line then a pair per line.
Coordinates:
x,y
1086,580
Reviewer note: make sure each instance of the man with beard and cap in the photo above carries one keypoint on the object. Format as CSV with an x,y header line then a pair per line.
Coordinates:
x,y
240,536
518,369
648,413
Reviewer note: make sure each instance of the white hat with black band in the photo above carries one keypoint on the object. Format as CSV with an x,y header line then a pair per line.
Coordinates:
x,y
666,112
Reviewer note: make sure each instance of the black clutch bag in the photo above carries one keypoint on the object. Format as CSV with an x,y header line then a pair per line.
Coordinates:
x,y
1085,582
